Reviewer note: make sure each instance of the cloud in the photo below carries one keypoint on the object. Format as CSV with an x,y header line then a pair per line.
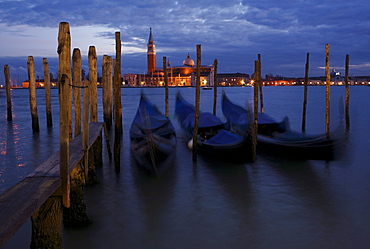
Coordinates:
x,y
232,31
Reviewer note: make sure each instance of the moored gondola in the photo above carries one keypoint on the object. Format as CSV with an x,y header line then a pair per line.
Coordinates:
x,y
276,137
213,139
153,137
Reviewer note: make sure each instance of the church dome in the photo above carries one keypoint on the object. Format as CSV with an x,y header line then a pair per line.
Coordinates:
x,y
188,61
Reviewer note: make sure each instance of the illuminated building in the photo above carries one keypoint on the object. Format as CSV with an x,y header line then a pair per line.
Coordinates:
x,y
39,83
151,54
233,79
184,75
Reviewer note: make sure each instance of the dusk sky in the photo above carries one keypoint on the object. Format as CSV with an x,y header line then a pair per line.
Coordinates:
x,y
231,31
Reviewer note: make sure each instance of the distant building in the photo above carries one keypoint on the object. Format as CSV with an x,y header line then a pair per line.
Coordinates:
x,y
233,79
184,75
39,83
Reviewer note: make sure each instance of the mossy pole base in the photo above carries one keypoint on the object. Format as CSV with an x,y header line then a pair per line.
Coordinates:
x,y
47,225
76,214
95,160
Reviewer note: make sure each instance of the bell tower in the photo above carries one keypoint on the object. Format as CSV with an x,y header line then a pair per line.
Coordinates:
x,y
151,54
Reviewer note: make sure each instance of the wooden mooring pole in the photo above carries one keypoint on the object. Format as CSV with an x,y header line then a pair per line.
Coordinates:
x,y
74,209
64,138
107,98
77,83
49,118
32,90
262,109
165,85
93,92
117,120
305,93
8,96
117,87
76,215
347,93
327,72
107,90
117,113
197,103
85,131
215,84
255,109
256,90
64,73
93,78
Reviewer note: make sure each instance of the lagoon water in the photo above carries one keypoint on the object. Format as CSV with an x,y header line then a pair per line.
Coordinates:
x,y
271,203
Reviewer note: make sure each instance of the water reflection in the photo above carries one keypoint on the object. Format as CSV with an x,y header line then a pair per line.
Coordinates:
x,y
274,202
303,194
11,154
234,181
155,194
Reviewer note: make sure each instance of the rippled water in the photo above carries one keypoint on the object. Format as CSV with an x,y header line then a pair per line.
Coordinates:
x,y
271,203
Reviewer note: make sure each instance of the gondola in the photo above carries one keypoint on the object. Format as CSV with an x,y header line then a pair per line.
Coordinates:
x,y
213,139
277,137
153,137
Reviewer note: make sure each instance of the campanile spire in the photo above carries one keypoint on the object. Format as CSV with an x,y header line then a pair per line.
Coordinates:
x,y
151,54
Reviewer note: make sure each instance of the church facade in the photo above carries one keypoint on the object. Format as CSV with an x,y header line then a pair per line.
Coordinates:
x,y
183,75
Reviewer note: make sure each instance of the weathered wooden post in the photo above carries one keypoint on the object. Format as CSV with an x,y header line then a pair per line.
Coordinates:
x,y
197,103
76,215
93,76
107,90
347,93
117,87
107,94
305,93
260,84
215,84
49,118
95,159
77,80
117,122
32,90
85,130
255,109
165,85
327,72
117,104
64,73
64,138
8,97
